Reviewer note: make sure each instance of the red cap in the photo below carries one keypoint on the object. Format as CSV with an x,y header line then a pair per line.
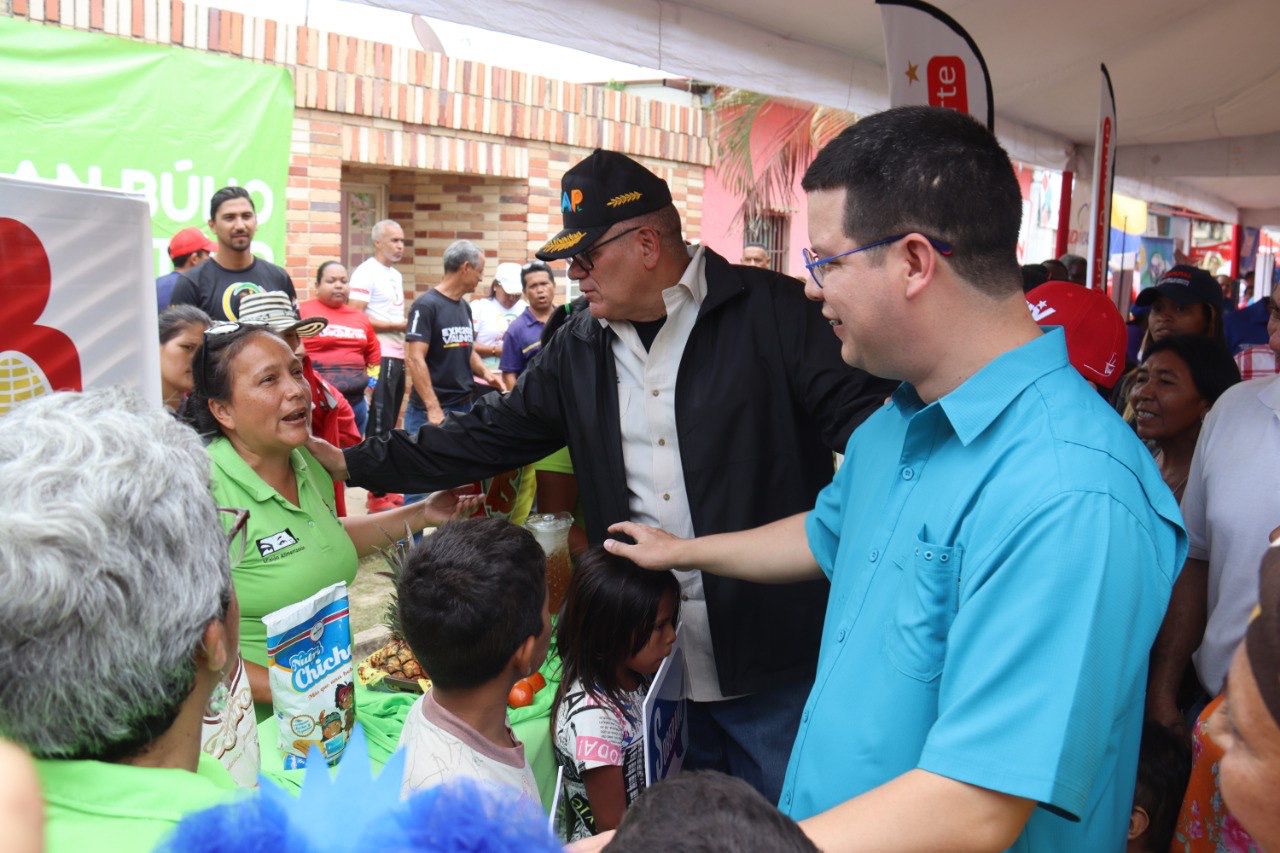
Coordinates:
x,y
189,240
1096,337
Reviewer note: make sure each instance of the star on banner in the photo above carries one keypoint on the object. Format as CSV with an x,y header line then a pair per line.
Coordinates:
x,y
912,75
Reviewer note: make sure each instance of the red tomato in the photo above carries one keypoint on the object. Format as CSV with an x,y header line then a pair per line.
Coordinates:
x,y
536,681
521,695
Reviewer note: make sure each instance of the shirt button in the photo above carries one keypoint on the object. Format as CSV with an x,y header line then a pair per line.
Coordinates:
x,y
654,392
907,473
840,636
787,798
805,718
874,555
662,442
666,496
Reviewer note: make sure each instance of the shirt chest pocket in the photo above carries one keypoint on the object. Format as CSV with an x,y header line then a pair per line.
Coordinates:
x,y
922,610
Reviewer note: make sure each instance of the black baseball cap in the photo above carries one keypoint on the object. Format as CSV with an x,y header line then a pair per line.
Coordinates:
x,y
1186,285
604,189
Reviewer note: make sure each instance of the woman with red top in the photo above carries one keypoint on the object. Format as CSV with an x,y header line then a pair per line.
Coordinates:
x,y
347,348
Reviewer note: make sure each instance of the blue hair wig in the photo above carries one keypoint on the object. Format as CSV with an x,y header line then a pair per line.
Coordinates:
x,y
354,811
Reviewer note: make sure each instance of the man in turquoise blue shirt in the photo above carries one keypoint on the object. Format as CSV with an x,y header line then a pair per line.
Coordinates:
x,y
1000,546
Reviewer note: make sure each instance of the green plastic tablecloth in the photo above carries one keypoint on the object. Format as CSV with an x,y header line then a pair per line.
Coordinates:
x,y
382,715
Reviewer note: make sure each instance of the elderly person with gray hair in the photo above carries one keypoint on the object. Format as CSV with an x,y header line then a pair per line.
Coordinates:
x,y
439,350
377,289
119,617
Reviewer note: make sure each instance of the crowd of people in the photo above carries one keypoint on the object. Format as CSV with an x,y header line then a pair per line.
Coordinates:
x,y
1024,611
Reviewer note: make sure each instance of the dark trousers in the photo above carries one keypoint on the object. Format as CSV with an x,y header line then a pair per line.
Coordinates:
x,y
749,737
384,409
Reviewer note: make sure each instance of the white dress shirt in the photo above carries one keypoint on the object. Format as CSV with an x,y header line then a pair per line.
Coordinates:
x,y
1231,504
651,453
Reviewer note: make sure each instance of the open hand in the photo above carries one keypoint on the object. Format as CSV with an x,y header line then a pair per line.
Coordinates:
x,y
654,549
442,506
328,456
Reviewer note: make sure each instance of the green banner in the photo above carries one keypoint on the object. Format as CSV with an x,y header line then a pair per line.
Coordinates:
x,y
170,123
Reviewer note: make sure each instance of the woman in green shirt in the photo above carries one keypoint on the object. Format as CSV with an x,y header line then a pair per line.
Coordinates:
x,y
252,397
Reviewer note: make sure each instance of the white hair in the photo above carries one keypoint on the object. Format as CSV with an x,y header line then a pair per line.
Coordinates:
x,y
113,562
461,252
380,228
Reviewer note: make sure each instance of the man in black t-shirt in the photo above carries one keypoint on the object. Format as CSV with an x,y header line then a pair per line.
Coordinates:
x,y
439,352
218,285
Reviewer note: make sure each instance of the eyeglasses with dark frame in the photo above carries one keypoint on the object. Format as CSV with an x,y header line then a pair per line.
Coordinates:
x,y
815,265
583,258
238,534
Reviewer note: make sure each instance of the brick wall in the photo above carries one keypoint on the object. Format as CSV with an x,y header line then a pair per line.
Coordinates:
x,y
463,148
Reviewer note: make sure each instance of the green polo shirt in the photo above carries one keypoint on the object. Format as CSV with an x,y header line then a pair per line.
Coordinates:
x,y
292,552
93,805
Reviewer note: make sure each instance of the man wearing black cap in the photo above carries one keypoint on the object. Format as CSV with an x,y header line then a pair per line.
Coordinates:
x,y
694,394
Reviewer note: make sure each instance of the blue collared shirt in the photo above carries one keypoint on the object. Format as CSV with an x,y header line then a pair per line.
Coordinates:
x,y
521,342
1000,562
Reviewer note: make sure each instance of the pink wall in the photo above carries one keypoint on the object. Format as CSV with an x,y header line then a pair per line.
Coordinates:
x,y
719,232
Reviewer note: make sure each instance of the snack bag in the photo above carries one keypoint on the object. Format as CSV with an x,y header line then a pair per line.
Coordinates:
x,y
312,691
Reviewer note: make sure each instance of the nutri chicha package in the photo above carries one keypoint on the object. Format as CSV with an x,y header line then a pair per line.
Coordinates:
x,y
309,659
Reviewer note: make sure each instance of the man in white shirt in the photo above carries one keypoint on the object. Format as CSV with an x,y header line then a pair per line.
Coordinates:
x,y
1231,507
377,289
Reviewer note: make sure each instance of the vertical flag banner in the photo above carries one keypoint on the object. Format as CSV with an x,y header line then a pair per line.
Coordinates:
x,y
77,300
1104,177
932,61
171,124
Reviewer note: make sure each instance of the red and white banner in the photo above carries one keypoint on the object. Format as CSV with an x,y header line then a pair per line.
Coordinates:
x,y
1104,178
931,60
77,293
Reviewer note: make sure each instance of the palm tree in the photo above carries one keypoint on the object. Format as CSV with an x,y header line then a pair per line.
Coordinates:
x,y
765,182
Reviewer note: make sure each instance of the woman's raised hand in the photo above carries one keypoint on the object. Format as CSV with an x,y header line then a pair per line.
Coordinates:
x,y
442,506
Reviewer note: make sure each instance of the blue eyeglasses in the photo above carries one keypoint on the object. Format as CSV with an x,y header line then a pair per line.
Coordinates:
x,y
815,265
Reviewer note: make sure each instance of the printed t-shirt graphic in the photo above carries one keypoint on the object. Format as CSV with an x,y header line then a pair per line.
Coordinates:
x,y
444,325
591,734
217,290
345,350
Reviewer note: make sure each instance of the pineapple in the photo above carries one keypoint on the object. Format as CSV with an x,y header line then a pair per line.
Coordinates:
x,y
395,659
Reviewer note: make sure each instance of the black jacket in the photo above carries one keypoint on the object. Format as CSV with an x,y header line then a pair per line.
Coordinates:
x,y
762,399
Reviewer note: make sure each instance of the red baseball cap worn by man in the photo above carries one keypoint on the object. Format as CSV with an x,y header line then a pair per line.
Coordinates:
x,y
189,240
1095,330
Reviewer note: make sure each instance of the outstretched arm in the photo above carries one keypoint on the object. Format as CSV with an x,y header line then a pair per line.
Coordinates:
x,y
370,533
775,553
961,817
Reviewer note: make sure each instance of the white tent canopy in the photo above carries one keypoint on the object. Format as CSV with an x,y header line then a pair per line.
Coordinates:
x,y
1197,84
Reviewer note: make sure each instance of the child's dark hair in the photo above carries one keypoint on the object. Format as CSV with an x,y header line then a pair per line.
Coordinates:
x,y
706,810
211,369
1164,766
469,595
609,612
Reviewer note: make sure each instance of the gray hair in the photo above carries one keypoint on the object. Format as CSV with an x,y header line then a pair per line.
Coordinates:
x,y
380,228
461,252
113,561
